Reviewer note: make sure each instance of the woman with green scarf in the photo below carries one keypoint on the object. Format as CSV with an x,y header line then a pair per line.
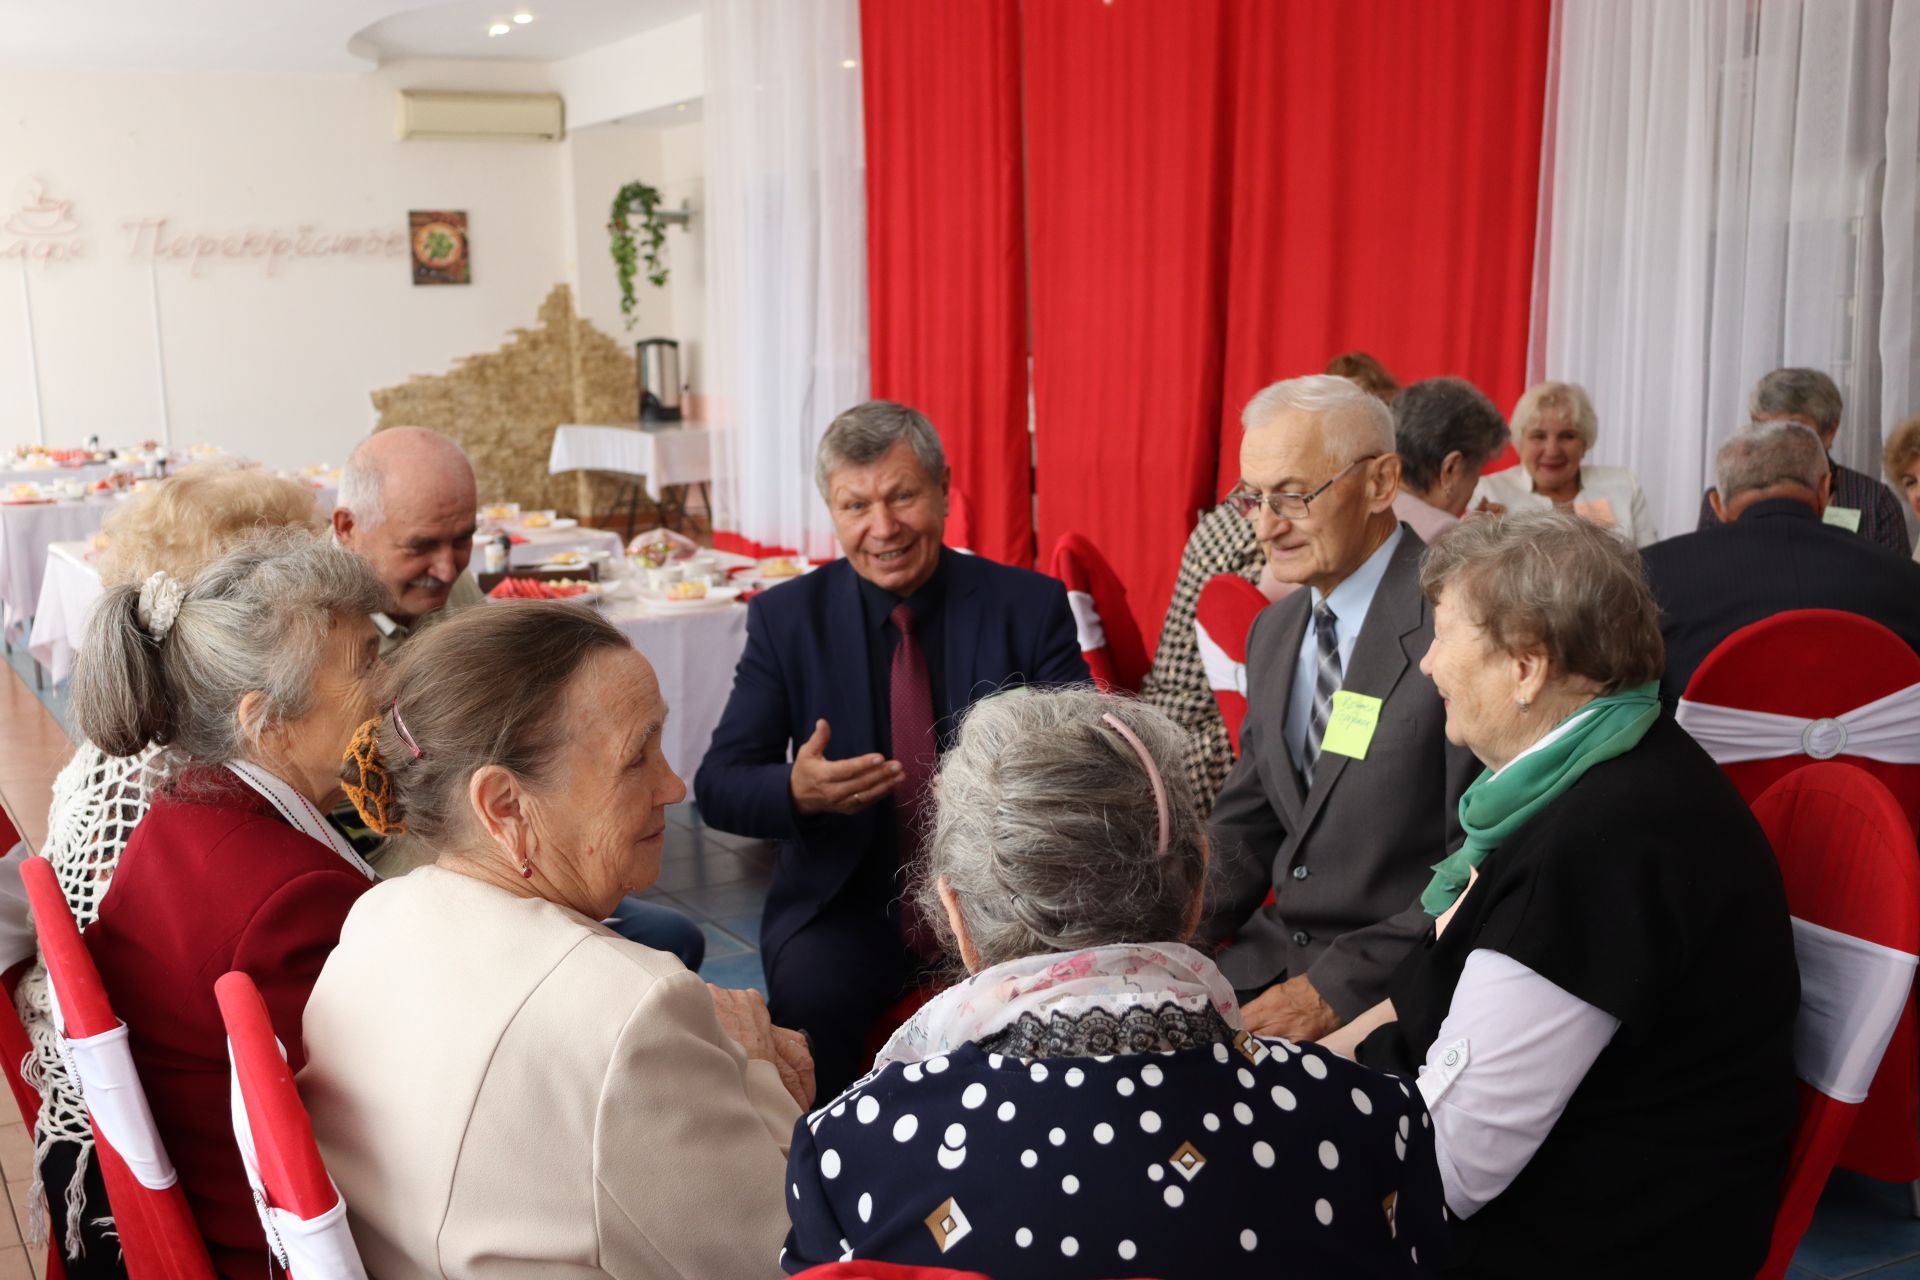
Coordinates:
x,y
1601,1022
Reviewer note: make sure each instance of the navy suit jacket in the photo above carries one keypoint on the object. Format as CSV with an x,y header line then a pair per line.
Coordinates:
x,y
806,660
1775,557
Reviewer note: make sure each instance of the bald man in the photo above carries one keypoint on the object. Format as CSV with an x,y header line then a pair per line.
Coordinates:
x,y
406,507
407,504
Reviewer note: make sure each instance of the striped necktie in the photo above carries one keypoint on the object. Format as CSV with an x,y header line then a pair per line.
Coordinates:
x,y
1325,684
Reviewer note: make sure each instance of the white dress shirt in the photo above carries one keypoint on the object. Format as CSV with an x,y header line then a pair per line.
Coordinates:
x,y
1349,602
1509,1055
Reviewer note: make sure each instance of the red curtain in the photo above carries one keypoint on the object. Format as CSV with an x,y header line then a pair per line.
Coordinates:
x,y
1129,128
1219,193
946,260
1385,175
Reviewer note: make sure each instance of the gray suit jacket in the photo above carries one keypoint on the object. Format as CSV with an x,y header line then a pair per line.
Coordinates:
x,y
1348,859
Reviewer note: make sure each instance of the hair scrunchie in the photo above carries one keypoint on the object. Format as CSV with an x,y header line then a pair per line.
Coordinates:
x,y
160,597
368,783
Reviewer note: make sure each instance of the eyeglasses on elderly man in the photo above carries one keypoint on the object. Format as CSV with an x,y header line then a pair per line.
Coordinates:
x,y
1246,500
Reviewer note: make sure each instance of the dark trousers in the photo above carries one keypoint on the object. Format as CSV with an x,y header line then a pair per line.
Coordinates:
x,y
834,978
102,1260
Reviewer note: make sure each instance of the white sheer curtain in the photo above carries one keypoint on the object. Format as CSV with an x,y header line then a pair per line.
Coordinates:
x,y
1728,187
786,255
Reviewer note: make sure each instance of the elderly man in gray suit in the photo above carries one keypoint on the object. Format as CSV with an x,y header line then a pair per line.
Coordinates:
x,y
1346,791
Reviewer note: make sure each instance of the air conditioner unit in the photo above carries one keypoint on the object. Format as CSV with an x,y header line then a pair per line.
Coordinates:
x,y
484,117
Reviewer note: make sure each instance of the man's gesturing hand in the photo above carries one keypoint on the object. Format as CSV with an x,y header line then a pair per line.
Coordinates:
x,y
820,785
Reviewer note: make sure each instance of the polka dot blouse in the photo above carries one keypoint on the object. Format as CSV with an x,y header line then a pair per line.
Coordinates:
x,y
1258,1157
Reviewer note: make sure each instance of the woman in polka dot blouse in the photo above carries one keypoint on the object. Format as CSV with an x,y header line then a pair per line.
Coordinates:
x,y
1087,1103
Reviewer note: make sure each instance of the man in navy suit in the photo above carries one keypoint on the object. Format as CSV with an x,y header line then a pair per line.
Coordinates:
x,y
853,677
1771,552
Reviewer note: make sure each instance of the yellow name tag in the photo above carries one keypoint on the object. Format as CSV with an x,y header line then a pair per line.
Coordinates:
x,y
1350,724
1847,518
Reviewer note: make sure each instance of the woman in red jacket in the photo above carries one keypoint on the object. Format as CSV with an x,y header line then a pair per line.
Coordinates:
x,y
251,679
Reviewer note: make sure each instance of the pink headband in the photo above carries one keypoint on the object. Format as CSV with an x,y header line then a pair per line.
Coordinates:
x,y
1153,776
401,725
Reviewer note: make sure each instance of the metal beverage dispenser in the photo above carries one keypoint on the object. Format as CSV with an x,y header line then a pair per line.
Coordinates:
x,y
659,364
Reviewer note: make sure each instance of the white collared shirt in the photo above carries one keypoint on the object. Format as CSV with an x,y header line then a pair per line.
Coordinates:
x,y
1509,1055
1350,602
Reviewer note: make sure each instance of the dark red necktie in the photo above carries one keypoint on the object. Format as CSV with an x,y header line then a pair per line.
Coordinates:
x,y
913,745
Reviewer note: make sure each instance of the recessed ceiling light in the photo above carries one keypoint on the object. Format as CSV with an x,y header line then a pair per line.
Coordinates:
x,y
848,63
681,107
523,18
498,29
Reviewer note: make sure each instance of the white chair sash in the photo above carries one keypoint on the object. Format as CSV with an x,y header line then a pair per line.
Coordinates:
x,y
1887,729
1086,622
110,1086
1851,994
1223,673
319,1248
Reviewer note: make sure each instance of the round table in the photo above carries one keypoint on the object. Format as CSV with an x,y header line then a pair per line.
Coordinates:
x,y
694,650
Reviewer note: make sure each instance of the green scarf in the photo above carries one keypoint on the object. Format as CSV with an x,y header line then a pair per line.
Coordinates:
x,y
1493,808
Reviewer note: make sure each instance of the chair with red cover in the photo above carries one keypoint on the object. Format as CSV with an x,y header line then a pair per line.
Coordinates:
x,y
1846,854
883,1271
301,1210
1810,684
1819,684
1224,615
158,1237
1109,635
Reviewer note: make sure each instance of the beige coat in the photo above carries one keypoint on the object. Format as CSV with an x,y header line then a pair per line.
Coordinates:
x,y
503,1088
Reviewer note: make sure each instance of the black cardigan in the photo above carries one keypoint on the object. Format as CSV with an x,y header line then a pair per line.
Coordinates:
x,y
1649,891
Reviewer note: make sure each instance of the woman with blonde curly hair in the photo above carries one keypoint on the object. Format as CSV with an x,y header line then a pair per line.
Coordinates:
x,y
1902,459
1553,426
191,518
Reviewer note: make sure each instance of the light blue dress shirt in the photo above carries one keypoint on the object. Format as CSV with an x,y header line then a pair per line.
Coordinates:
x,y
1349,602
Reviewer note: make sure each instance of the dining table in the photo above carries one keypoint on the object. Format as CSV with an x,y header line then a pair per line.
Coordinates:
x,y
27,530
693,645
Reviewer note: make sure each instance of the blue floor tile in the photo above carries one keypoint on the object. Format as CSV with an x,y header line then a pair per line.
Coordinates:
x,y
720,944
740,971
1906,1269
719,901
746,926
1861,1224
716,868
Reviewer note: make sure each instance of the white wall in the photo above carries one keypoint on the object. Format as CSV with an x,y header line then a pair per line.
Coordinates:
x,y
654,69
275,363
602,159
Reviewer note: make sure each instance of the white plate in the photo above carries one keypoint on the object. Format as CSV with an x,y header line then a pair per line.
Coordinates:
x,y
580,558
715,595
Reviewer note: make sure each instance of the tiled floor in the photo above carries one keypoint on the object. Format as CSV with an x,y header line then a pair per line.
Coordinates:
x,y
1863,1228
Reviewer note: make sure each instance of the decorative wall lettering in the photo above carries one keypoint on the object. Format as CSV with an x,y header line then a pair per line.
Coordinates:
x,y
40,228
153,239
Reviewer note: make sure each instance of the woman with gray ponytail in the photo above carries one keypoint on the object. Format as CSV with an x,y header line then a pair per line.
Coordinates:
x,y
249,680
1087,1102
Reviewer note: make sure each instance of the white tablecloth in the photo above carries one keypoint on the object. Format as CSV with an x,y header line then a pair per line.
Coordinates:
x,y
11,475
26,531
674,455
693,652
67,597
542,544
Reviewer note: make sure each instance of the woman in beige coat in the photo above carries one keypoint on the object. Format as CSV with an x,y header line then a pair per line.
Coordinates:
x,y
500,1085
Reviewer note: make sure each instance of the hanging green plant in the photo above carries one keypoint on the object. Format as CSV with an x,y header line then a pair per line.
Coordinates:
x,y
627,252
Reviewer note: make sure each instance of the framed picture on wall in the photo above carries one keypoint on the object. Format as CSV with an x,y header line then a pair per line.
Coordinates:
x,y
441,253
